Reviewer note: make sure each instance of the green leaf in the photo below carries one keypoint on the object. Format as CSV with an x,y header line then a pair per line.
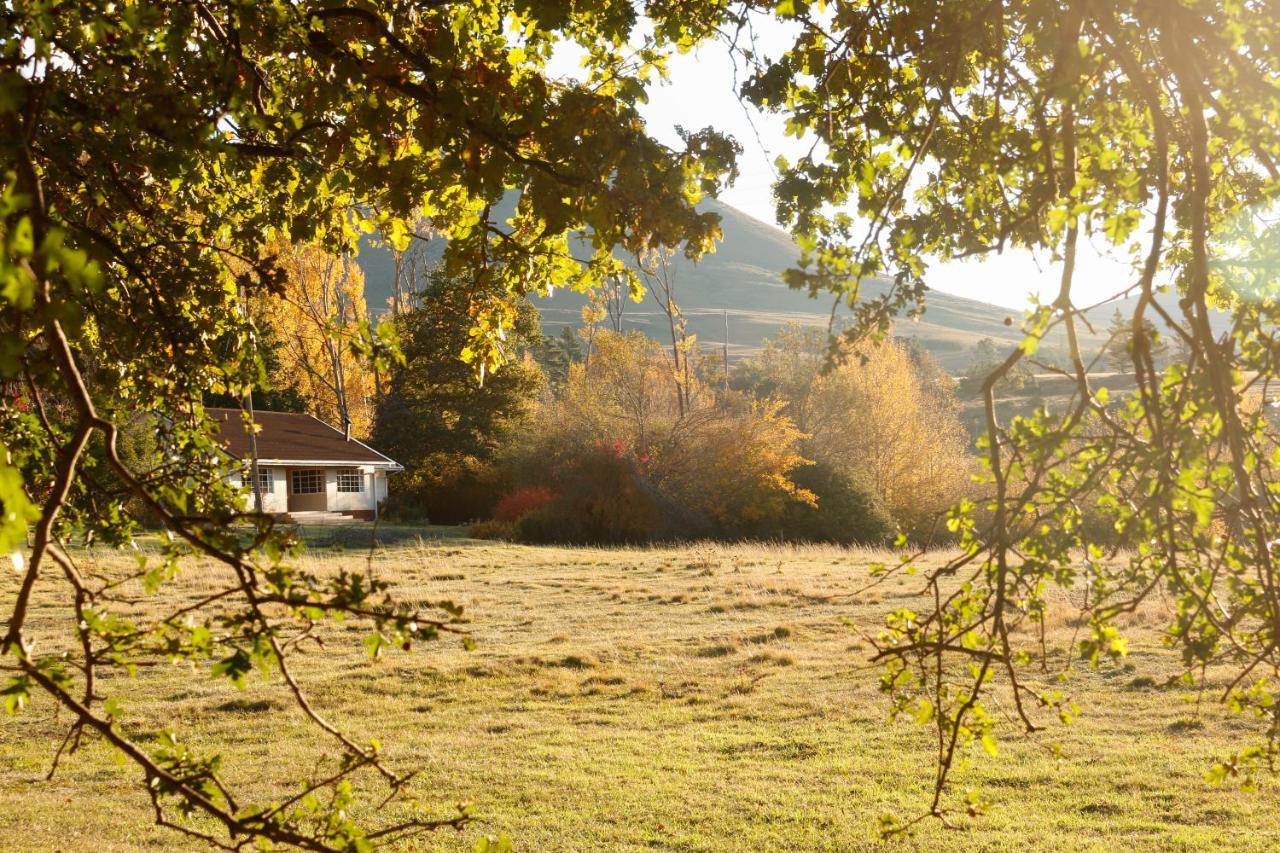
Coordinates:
x,y
16,512
22,242
16,693
374,644
234,667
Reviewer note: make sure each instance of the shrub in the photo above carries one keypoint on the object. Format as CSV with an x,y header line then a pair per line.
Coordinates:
x,y
403,508
521,502
603,499
448,490
547,526
846,513
502,531
732,467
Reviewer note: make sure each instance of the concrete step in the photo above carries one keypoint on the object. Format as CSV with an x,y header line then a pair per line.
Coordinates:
x,y
319,517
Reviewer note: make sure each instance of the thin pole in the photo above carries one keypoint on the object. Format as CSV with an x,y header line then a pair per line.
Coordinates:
x,y
253,454
253,427
726,351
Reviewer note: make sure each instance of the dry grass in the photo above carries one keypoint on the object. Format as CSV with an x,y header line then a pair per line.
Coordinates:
x,y
704,698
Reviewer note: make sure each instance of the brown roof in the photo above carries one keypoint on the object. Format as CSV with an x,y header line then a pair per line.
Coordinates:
x,y
291,437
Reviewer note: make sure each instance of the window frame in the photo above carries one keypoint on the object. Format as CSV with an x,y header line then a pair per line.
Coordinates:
x,y
346,474
266,480
311,474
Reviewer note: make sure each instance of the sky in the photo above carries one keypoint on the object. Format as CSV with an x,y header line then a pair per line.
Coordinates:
x,y
701,91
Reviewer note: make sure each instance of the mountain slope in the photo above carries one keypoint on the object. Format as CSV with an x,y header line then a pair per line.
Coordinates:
x,y
743,280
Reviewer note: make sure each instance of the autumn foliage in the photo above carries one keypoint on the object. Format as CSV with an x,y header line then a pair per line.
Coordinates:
x,y
521,502
882,416
316,318
631,461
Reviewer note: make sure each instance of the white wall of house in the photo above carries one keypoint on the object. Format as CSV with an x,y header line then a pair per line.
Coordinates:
x,y
340,501
275,499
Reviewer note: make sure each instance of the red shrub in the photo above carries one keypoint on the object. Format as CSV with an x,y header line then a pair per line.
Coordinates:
x,y
521,502
603,499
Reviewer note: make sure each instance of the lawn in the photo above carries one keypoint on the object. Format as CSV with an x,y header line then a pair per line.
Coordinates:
x,y
696,698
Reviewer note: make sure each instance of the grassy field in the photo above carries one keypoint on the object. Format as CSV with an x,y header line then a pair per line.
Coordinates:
x,y
701,698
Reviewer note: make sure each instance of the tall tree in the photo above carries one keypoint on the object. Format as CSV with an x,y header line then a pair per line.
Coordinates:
x,y
317,318
410,267
659,276
959,128
436,420
874,415
151,154
556,354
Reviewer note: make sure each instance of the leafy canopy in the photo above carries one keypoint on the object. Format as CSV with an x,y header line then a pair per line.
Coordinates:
x,y
873,417
151,151
959,128
151,154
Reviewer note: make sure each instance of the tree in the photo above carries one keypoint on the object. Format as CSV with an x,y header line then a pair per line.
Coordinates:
x,y
436,420
962,127
938,384
787,367
622,393
556,354
1118,351
410,268
986,357
721,465
151,154
317,320
612,298
659,275
272,391
873,417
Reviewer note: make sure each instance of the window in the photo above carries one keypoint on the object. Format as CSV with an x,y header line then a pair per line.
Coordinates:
x,y
309,482
265,482
351,480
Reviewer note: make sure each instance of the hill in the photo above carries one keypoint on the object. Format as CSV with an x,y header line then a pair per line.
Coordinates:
x,y
743,280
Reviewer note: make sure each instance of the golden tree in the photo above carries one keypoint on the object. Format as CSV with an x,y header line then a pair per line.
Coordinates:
x,y
875,415
727,460
317,319
872,415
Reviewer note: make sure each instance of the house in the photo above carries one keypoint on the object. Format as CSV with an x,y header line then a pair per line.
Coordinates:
x,y
307,469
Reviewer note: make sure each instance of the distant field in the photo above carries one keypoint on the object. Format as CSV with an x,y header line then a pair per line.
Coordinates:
x,y
705,698
1054,391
